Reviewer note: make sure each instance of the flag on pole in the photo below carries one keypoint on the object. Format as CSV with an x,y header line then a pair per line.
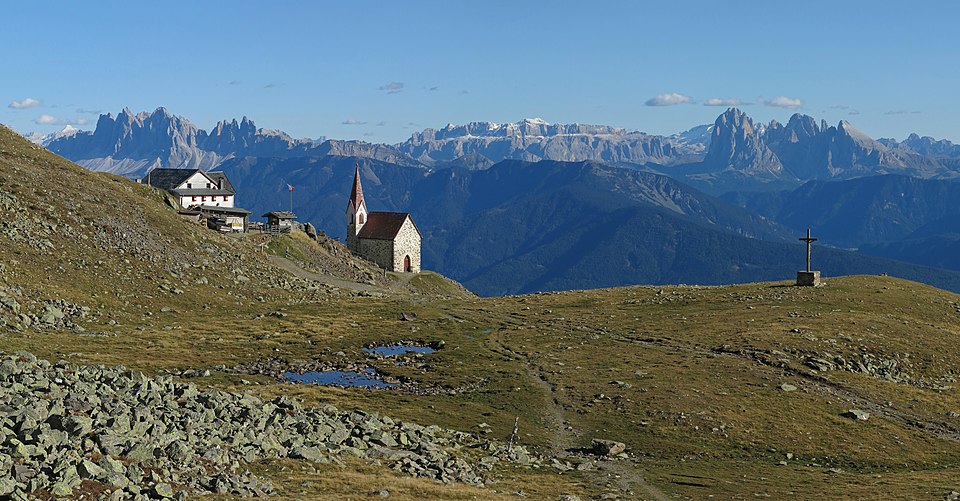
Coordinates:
x,y
290,187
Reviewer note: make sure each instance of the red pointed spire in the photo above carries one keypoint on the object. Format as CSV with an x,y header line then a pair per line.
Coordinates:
x,y
356,194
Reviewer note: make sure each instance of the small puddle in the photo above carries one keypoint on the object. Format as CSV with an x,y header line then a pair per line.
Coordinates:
x,y
389,351
365,379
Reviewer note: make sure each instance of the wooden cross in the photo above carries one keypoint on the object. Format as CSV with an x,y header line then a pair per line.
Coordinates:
x,y
809,241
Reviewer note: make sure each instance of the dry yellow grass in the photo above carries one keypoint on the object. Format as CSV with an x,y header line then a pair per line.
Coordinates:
x,y
688,377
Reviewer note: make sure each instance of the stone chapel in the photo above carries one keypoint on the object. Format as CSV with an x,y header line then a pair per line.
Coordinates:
x,y
390,239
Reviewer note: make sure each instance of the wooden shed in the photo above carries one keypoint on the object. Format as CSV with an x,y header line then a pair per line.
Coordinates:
x,y
279,221
234,217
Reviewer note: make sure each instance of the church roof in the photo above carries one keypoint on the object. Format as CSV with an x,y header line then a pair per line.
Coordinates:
x,y
356,194
384,225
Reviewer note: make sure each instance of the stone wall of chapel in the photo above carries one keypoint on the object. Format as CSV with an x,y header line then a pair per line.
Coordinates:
x,y
407,243
378,251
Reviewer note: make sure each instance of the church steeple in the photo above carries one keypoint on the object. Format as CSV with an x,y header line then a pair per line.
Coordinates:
x,y
356,194
356,211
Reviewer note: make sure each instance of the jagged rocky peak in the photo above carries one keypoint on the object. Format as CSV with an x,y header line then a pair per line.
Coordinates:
x,y
846,132
923,145
803,126
143,134
738,145
800,128
847,128
245,126
733,119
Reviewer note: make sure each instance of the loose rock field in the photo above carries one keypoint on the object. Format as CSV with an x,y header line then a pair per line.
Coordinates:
x,y
118,434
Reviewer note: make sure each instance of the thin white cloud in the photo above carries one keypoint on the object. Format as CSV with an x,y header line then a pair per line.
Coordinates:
x,y
48,120
392,87
89,112
351,121
854,112
26,103
902,112
669,99
723,102
381,124
783,102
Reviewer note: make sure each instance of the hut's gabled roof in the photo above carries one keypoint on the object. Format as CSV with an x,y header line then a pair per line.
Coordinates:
x,y
171,179
168,179
285,214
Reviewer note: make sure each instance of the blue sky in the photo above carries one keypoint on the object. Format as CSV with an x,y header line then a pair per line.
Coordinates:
x,y
378,70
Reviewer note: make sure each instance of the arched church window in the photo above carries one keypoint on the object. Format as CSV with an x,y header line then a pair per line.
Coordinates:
x,y
361,218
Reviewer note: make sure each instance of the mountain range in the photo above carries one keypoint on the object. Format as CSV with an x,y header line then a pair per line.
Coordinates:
x,y
734,153
894,216
130,144
531,205
519,227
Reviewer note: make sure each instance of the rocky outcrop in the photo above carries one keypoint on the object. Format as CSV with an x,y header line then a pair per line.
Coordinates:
x,y
804,150
63,428
737,145
243,138
129,144
924,145
796,146
535,139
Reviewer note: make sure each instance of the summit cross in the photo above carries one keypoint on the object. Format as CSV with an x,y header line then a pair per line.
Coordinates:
x,y
809,241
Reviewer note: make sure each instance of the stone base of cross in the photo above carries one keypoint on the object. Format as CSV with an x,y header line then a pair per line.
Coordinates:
x,y
808,278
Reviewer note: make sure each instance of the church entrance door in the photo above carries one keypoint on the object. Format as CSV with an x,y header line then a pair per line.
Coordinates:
x,y
406,263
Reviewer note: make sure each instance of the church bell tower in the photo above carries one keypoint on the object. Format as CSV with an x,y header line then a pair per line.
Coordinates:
x,y
356,212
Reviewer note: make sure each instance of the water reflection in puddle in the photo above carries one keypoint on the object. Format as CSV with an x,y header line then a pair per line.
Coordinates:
x,y
387,351
365,379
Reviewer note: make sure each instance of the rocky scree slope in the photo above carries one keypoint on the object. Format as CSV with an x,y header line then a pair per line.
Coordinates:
x,y
121,435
